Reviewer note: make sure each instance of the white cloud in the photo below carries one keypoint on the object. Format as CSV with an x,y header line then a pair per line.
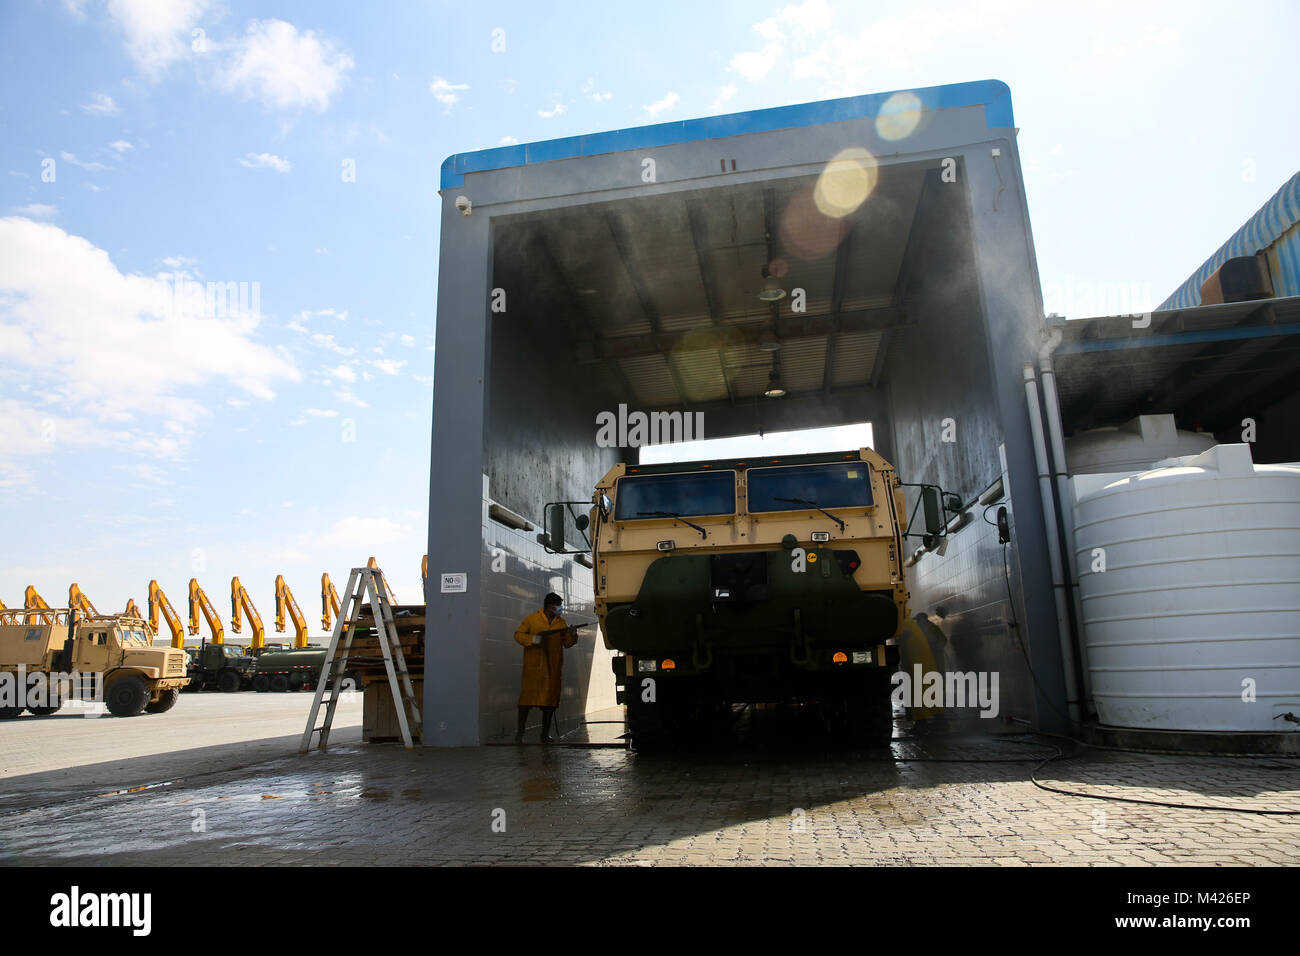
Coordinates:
x,y
387,366
407,340
101,104
327,342
343,372
659,106
37,210
120,146
589,89
306,315
558,111
113,346
285,69
266,161
345,395
157,31
320,412
446,93
725,94
507,141
796,23
72,158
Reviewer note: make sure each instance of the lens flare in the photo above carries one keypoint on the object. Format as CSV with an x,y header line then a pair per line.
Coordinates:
x,y
899,117
846,182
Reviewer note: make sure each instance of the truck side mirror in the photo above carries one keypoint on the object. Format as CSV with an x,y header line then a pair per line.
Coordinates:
x,y
932,502
555,526
581,522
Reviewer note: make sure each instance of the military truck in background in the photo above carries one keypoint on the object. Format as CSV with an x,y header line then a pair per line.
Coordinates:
x,y
287,669
226,667
755,581
39,649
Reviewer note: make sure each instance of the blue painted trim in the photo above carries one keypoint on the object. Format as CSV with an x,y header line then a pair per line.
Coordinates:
x,y
993,95
1177,338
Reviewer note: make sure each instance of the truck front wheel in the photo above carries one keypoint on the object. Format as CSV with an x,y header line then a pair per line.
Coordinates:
x,y
9,713
43,711
228,682
261,683
127,697
165,702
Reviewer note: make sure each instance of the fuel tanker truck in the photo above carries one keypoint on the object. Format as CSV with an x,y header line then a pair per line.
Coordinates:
x,y
762,580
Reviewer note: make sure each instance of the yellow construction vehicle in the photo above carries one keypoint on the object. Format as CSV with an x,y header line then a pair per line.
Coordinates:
x,y
132,609
199,602
158,601
239,600
32,601
284,599
78,601
329,601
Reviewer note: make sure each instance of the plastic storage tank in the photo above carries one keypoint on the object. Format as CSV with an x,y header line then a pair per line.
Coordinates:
x,y
1134,446
1198,606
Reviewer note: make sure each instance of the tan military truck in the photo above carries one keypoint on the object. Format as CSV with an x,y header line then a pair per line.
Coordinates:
x,y
772,580
50,656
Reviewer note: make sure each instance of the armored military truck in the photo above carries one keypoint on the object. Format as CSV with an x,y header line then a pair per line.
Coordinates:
x,y
287,669
762,580
50,655
227,667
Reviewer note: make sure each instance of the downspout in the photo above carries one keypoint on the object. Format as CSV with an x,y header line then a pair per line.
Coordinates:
x,y
1053,545
1065,502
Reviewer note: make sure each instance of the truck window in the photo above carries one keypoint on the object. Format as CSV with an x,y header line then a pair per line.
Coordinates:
x,y
100,638
693,495
838,485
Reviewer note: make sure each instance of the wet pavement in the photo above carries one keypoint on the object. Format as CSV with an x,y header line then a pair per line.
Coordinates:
x,y
929,801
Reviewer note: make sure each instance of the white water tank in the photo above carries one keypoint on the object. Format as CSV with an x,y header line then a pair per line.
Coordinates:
x,y
1190,582
1134,446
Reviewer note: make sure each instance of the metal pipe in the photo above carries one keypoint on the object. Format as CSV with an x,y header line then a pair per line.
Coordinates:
x,y
1053,544
1065,502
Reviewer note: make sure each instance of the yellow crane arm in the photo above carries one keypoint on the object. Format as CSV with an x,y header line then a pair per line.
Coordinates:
x,y
78,600
373,566
199,602
32,601
284,599
158,601
239,599
132,609
329,601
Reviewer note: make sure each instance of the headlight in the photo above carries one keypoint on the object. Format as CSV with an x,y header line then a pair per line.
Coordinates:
x,y
647,667
862,657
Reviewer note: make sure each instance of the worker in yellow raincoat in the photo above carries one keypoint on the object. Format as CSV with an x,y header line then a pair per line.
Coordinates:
x,y
543,635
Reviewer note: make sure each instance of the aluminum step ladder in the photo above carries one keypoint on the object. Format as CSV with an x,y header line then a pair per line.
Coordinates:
x,y
363,584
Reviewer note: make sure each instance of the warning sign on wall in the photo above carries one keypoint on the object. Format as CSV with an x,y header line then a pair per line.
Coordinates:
x,y
454,583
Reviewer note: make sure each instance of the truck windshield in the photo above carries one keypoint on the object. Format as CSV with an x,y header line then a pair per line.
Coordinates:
x,y
840,485
693,495
232,651
127,636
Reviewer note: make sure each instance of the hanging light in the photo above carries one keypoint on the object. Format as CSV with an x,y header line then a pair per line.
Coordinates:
x,y
768,342
774,387
772,290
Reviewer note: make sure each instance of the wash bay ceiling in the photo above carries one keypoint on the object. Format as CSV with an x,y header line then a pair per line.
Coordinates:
x,y
659,296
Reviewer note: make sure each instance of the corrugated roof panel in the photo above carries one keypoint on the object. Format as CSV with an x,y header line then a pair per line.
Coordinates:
x,y
855,357
1275,220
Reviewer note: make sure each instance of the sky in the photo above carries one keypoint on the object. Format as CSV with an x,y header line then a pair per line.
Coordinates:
x,y
294,148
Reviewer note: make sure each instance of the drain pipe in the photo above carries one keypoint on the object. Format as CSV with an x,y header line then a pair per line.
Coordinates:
x,y
1053,544
1065,502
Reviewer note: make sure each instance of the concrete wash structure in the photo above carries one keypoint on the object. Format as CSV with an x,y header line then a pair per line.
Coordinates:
x,y
624,267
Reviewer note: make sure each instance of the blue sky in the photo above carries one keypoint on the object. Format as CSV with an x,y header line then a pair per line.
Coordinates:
x,y
141,437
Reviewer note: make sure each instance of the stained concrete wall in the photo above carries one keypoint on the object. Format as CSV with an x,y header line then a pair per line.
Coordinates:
x,y
541,422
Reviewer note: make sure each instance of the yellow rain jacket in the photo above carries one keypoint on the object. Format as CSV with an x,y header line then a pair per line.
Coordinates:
x,y
543,662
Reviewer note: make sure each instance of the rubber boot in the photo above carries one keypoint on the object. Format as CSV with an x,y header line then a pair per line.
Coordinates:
x,y
519,726
547,714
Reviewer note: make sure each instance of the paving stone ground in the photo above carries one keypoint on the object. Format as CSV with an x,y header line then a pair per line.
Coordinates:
x,y
930,801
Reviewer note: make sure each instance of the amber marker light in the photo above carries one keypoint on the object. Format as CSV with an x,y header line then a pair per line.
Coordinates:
x,y
840,657
669,664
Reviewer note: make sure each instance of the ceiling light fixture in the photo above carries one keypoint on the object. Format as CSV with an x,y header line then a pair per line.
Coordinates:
x,y
772,290
774,387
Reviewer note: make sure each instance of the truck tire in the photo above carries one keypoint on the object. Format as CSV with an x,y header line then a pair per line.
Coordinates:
x,y
296,681
279,683
165,702
228,682
127,697
871,715
261,683
43,711
9,713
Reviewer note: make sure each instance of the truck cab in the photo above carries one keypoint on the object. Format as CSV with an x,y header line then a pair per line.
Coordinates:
x,y
758,580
